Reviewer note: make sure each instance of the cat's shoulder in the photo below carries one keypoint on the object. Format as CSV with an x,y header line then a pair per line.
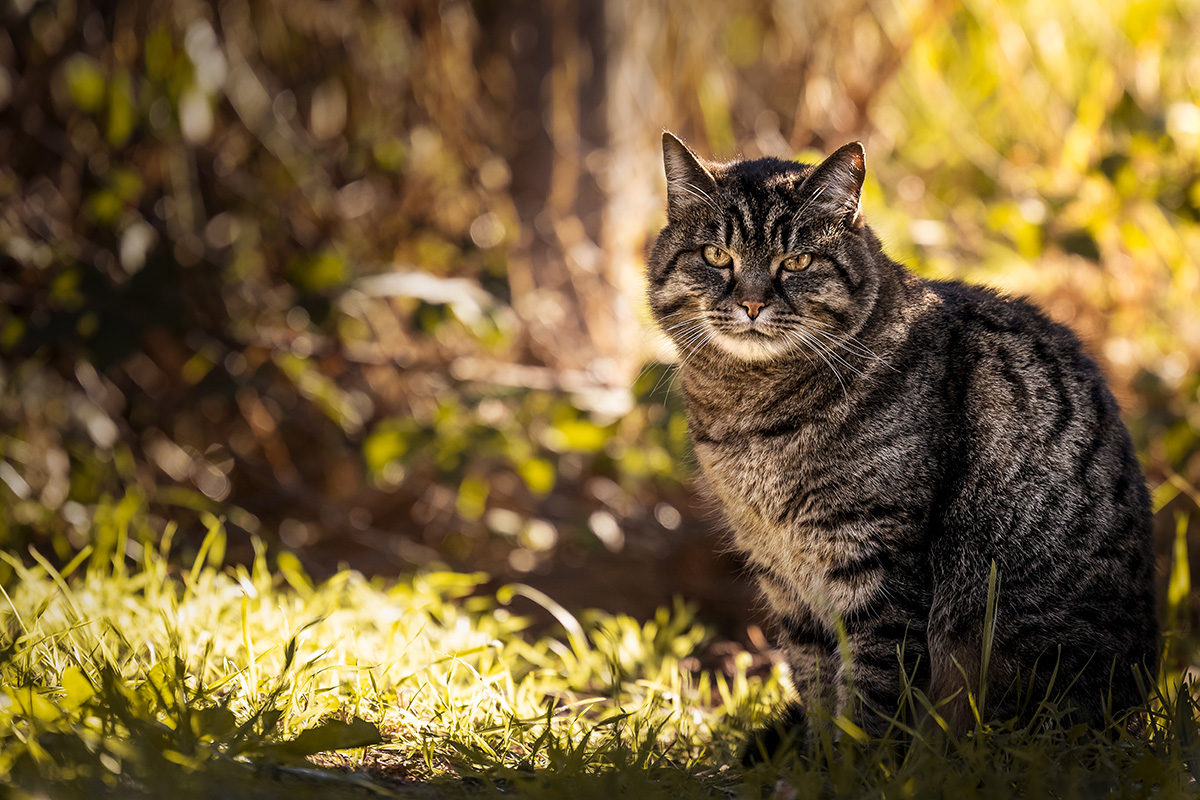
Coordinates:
x,y
983,310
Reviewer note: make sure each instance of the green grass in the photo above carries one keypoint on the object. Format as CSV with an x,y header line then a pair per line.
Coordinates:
x,y
137,677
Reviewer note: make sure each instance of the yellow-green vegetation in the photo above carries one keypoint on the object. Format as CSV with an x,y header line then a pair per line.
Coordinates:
x,y
133,676
123,676
369,273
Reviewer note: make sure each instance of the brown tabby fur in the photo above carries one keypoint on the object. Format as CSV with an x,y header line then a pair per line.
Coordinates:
x,y
877,441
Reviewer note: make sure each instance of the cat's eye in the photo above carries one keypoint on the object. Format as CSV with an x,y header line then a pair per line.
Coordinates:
x,y
716,257
797,262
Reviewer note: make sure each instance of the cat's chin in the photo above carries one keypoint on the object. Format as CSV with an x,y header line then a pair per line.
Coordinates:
x,y
751,347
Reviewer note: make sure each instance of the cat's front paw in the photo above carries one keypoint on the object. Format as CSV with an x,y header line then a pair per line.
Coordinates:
x,y
779,736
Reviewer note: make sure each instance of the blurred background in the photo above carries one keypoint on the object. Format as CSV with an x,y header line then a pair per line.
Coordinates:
x,y
365,278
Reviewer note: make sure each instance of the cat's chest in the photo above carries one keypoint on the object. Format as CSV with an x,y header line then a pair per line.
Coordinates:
x,y
781,500
779,492
802,502
756,479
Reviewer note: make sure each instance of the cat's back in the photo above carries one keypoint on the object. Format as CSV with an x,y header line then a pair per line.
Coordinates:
x,y
1042,474
1023,392
980,315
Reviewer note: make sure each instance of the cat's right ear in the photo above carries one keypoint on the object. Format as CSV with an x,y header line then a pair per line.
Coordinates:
x,y
689,183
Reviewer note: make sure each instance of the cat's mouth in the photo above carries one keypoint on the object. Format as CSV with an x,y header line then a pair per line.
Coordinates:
x,y
752,329
750,340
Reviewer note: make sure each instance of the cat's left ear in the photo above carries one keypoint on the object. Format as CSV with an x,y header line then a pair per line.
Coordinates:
x,y
834,188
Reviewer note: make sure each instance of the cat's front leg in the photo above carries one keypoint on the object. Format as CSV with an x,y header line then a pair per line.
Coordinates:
x,y
785,732
886,650
810,651
864,679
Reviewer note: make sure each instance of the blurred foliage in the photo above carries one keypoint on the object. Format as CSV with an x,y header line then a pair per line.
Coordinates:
x,y
366,277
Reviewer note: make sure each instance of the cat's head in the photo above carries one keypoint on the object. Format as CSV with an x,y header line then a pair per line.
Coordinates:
x,y
763,259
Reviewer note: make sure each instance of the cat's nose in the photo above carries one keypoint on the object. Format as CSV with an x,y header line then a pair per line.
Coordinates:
x,y
752,308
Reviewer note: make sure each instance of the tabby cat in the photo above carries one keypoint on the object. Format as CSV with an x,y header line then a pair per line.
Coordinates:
x,y
878,441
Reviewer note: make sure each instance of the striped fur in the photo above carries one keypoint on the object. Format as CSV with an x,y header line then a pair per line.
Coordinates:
x,y
877,441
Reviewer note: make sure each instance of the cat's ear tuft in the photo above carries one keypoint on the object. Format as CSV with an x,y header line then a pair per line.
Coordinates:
x,y
834,188
689,183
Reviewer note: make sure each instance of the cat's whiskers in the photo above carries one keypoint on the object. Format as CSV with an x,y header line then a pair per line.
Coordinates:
x,y
669,371
707,337
834,329
798,344
821,350
672,325
827,339
640,346
665,317
849,342
661,328
698,339
685,328
683,341
805,346
699,334
689,337
824,345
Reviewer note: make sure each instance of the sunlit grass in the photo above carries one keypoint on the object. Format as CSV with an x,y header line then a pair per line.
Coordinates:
x,y
121,675
153,679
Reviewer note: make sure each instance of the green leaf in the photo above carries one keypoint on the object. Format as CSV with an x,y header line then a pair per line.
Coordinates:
x,y
386,444
85,82
1163,494
293,572
122,115
317,273
1179,585
32,704
853,731
333,734
538,474
472,497
578,435
215,722
77,689
161,681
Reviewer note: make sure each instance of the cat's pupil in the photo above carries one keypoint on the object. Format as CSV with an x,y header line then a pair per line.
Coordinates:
x,y
797,263
716,256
